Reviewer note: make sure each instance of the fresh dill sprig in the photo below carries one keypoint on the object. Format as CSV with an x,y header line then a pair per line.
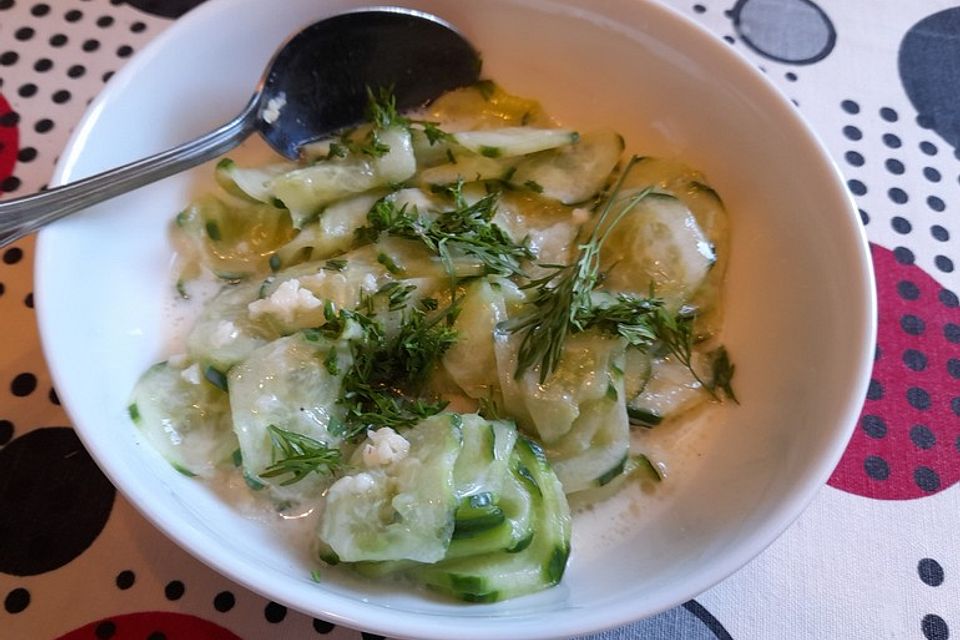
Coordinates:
x,y
562,299
297,456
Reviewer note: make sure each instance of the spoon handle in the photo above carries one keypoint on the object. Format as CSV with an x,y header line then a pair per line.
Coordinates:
x,y
22,216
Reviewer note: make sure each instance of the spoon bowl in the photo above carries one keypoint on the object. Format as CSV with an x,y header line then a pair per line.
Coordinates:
x,y
317,83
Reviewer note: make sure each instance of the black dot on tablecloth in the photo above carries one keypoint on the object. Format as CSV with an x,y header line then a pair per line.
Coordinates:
x,y
58,40
90,45
850,107
322,626
40,10
927,479
42,65
892,141
27,90
2,288
17,600
874,426
43,126
6,4
74,15
911,324
876,468
157,635
224,601
61,96
76,71
864,217
165,8
852,133
105,630
55,501
918,398
23,384
124,51
107,76
857,187
6,432
894,166
699,8
28,300
948,299
790,76
901,225
729,39
874,390
922,436
854,158
364,635
8,58
274,612
914,360
897,195
125,579
944,263
10,184
174,590
138,27
936,203
24,33
930,572
939,233
13,255
904,256
908,290
9,119
53,397
105,21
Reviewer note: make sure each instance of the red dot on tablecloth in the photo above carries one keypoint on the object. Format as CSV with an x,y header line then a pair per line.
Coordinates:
x,y
903,445
147,624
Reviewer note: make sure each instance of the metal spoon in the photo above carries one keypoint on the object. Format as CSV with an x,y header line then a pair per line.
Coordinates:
x,y
316,84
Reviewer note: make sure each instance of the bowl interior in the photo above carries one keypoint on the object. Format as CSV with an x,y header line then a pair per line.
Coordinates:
x,y
799,300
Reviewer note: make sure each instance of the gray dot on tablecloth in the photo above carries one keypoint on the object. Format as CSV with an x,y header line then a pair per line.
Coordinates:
x,y
922,436
915,360
892,141
911,324
953,367
918,398
854,158
955,407
852,133
943,263
934,627
908,290
930,572
322,626
874,426
864,217
931,174
857,187
939,233
897,195
936,203
901,225
224,601
948,299
790,76
874,390
699,8
17,600
903,256
876,468
850,107
888,114
951,332
894,166
928,148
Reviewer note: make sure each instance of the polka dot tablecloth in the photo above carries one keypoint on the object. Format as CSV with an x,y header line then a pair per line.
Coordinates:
x,y
877,555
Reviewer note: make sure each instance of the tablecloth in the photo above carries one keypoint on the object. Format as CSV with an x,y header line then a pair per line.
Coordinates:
x,y
877,554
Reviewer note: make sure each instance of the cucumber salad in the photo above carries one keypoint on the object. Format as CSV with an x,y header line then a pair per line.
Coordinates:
x,y
438,331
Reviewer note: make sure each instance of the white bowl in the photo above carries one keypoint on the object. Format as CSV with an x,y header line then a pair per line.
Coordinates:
x,y
799,295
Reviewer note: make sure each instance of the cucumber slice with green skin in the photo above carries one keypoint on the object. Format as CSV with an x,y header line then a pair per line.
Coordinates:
x,y
657,246
471,361
497,576
287,384
224,334
635,467
333,233
573,173
514,141
185,418
251,184
581,463
468,168
477,514
401,511
482,464
671,391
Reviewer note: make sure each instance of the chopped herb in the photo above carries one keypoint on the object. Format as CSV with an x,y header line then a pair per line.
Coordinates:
x,y
335,264
183,470
452,159
612,393
213,230
330,362
215,377
134,412
274,263
434,133
723,373
336,150
316,576
486,88
389,264
429,304
490,152
182,290
643,417
297,456
533,185
237,457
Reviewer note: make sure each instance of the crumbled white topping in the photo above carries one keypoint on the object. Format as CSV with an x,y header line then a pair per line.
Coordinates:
x,y
284,303
579,216
192,374
272,111
385,446
351,485
224,334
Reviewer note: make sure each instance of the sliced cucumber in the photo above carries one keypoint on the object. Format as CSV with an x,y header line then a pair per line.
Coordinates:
x,y
224,334
251,184
657,246
514,141
288,383
482,464
467,168
185,418
500,575
471,361
573,173
671,391
404,511
485,105
333,233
